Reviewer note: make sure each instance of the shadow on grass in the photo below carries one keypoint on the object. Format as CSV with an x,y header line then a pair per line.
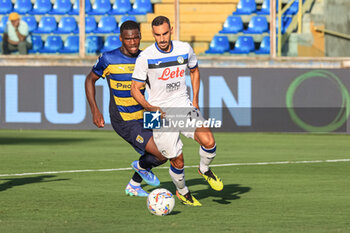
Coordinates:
x,y
229,193
13,182
38,141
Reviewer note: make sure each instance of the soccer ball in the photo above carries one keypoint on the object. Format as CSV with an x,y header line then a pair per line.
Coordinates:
x,y
160,202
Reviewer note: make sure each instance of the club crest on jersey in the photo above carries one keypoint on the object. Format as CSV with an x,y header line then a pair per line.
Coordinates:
x,y
139,139
180,59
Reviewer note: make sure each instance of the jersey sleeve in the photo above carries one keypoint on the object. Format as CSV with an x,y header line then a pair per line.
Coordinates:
x,y
100,66
192,58
141,68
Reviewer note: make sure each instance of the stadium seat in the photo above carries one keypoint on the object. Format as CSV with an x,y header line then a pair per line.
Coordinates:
x,y
23,6
257,24
243,45
112,42
41,7
293,9
93,44
245,7
264,46
5,6
61,7
120,7
233,24
3,23
31,21
141,7
90,24
265,8
67,25
285,24
218,45
52,44
71,45
107,24
47,24
126,18
100,7
37,44
75,8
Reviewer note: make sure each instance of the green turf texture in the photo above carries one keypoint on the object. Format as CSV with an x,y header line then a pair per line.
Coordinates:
x,y
313,197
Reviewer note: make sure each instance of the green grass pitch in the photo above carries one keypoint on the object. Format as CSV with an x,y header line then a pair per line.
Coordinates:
x,y
294,197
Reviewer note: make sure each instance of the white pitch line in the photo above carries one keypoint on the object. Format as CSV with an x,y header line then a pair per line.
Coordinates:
x,y
192,166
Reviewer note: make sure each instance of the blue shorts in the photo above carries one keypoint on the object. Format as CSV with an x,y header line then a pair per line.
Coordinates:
x,y
134,133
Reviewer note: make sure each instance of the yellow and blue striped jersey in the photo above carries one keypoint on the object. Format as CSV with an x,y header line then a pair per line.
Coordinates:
x,y
118,69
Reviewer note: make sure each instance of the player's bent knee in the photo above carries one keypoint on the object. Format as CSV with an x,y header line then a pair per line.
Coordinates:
x,y
177,163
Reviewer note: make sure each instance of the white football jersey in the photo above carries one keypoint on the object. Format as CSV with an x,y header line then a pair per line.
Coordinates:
x,y
164,72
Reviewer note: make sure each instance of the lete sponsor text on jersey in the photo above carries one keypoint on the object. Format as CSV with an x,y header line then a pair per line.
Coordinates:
x,y
167,73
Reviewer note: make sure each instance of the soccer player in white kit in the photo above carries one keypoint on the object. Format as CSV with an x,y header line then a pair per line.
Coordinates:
x,y
161,67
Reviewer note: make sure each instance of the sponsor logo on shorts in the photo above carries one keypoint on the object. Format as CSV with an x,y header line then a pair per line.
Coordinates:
x,y
139,139
172,86
151,120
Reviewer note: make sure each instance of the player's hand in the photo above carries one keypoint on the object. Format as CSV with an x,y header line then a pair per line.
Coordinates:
x,y
155,109
98,119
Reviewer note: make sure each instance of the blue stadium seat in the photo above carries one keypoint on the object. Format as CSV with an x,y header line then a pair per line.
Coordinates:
x,y
31,21
100,7
285,24
67,25
3,23
218,45
5,6
41,7
243,45
90,24
233,24
93,44
293,9
71,45
52,44
37,44
245,7
121,7
257,24
61,7
75,8
141,7
264,46
23,6
265,8
107,24
47,24
126,18
112,42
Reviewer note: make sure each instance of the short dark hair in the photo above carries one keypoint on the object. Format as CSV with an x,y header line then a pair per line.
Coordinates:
x,y
129,25
159,20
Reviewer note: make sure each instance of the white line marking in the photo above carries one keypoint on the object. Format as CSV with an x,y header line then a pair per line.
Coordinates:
x,y
192,166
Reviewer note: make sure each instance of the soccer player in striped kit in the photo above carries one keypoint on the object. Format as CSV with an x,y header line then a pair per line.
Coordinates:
x,y
126,114
161,68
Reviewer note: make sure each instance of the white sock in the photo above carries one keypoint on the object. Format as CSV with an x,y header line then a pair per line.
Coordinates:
x,y
178,177
134,183
207,155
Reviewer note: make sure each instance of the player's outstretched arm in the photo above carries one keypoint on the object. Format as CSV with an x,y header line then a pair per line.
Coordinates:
x,y
195,81
136,93
90,92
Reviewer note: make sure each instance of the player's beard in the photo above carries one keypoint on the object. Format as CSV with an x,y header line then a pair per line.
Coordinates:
x,y
164,45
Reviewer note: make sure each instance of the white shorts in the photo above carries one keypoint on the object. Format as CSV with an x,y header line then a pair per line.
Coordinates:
x,y
177,120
